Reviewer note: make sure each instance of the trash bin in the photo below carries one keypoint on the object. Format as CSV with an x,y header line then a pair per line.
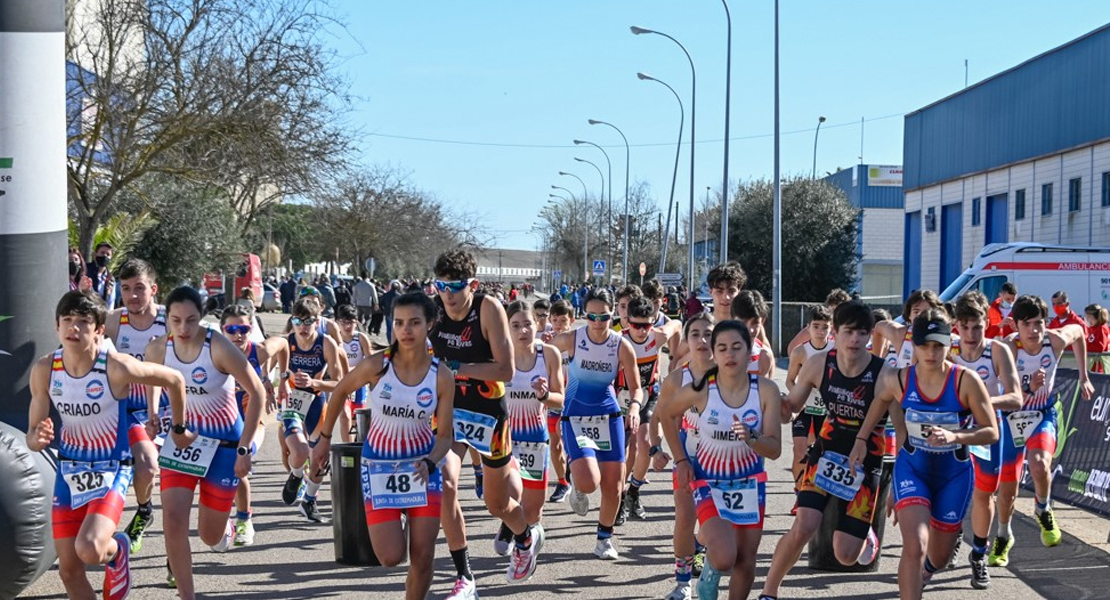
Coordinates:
x,y
821,554
351,536
362,423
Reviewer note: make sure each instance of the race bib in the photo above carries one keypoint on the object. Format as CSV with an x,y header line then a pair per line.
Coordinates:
x,y
835,476
592,432
1022,424
298,405
165,423
737,501
815,406
980,452
624,399
920,423
88,481
532,458
475,430
394,484
193,460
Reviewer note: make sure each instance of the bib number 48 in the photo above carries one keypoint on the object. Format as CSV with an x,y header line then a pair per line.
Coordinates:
x,y
399,483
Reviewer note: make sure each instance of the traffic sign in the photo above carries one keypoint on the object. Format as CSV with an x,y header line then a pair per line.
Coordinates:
x,y
599,267
557,275
643,269
371,266
669,278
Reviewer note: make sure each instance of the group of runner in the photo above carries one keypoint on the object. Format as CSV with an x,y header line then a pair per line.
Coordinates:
x,y
951,419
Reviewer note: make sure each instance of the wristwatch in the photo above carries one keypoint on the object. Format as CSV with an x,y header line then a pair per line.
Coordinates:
x,y
179,429
243,451
654,450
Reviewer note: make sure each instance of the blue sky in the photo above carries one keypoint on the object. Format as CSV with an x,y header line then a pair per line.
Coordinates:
x,y
517,81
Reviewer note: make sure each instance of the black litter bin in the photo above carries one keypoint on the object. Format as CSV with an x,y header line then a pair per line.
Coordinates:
x,y
821,554
352,538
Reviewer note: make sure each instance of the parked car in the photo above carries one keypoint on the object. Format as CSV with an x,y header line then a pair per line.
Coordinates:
x,y
271,299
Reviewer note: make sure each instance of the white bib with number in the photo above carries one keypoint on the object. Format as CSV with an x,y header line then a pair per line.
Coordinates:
x,y
532,458
88,481
194,460
980,452
835,476
592,432
394,485
165,423
1022,424
920,423
737,501
475,429
298,405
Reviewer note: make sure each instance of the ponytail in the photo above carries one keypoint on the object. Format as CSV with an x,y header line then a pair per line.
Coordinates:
x,y
700,385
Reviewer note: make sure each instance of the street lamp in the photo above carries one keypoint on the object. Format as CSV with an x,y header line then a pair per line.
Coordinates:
x,y
693,125
585,193
674,175
728,93
609,218
815,134
627,166
585,236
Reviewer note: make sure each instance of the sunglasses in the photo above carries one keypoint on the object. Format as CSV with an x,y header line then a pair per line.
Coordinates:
x,y
635,325
453,286
598,318
309,291
300,321
237,329
541,315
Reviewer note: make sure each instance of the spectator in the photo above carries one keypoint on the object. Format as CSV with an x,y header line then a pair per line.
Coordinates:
x,y
999,323
78,272
365,299
246,298
693,305
386,303
343,294
327,294
288,292
1064,314
103,283
1098,339
377,316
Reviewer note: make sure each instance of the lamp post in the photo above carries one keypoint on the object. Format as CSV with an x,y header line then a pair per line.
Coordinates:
x,y
600,174
609,218
693,125
585,193
776,255
674,175
585,235
728,94
815,134
627,166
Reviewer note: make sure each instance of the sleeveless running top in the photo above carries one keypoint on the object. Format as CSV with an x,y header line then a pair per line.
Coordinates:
x,y
982,366
463,340
847,400
593,369
133,341
647,362
721,455
401,416
757,349
811,350
945,411
91,421
526,412
310,361
902,356
690,417
240,393
354,350
210,406
1028,365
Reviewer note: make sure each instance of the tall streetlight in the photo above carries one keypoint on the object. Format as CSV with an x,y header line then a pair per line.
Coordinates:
x,y
815,134
674,176
693,125
776,257
728,94
602,176
585,236
627,167
585,193
609,218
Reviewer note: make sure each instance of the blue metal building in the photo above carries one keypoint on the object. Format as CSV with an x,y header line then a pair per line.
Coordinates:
x,y
877,191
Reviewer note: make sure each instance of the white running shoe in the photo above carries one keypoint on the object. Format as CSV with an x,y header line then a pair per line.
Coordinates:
x,y
503,543
464,590
870,549
605,550
522,564
244,533
579,503
225,542
681,591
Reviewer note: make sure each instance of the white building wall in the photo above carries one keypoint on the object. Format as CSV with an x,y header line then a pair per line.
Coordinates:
x,y
883,232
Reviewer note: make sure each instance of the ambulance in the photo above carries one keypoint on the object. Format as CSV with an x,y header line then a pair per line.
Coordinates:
x,y
1038,269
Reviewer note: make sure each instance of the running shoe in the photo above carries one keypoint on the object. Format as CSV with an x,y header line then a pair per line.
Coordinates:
x,y
244,533
954,560
117,573
633,506
464,590
479,484
605,550
503,543
870,549
699,562
579,503
522,564
229,536
291,490
709,582
311,512
1000,552
980,577
681,591
622,512
560,493
1050,531
136,529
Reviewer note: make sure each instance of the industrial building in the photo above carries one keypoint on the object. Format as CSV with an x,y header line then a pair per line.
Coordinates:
x,y
877,191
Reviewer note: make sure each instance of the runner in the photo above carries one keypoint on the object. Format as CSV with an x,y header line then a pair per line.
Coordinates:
x,y
472,337
212,445
236,323
898,335
95,465
403,450
1037,351
311,355
562,314
542,310
833,300
688,558
995,366
845,379
750,308
623,297
591,426
810,420
933,477
656,293
532,389
356,346
131,328
738,426
878,344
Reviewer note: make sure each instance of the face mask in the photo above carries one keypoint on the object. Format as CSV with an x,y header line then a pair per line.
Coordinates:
x,y
102,261
1060,309
74,268
1007,305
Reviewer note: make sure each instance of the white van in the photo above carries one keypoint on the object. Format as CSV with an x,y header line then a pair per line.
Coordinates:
x,y
1039,269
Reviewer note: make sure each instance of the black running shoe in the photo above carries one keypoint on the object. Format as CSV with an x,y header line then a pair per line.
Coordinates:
x,y
289,492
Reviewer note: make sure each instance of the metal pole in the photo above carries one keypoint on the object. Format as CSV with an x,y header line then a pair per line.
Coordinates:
x,y
820,120
627,168
776,292
728,95
674,174
609,219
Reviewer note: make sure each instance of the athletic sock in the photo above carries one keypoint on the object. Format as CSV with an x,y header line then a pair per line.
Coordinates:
x,y
635,484
119,550
1003,530
477,469
683,569
604,532
461,558
297,472
563,481
521,539
146,508
978,547
310,489
929,568
1039,505
243,515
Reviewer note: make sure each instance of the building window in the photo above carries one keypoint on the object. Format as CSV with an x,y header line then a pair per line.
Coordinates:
x,y
1046,199
1019,205
1075,189
976,205
1106,188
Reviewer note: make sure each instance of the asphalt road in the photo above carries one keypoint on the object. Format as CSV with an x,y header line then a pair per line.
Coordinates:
x,y
293,559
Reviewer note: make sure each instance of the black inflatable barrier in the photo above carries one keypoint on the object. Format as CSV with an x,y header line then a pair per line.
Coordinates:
x,y
351,536
26,498
821,554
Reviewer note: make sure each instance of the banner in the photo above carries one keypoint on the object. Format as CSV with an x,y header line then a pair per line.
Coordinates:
x,y
884,176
